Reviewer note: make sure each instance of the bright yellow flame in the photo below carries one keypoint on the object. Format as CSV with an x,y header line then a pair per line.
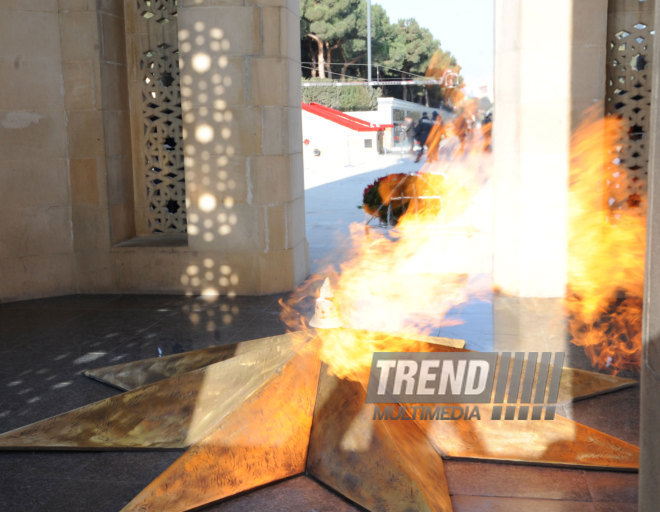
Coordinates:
x,y
607,242
404,281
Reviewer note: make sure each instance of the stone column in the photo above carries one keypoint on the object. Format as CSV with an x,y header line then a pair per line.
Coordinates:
x,y
240,85
549,66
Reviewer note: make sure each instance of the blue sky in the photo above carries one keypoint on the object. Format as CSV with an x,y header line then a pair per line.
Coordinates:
x,y
465,28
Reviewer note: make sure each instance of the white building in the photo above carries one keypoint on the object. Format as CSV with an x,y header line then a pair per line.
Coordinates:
x,y
339,138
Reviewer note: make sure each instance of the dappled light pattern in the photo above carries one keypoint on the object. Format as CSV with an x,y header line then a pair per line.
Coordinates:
x,y
32,391
70,335
211,311
208,271
209,160
207,130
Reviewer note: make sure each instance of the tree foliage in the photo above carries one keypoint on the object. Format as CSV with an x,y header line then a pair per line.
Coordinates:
x,y
329,23
412,47
346,98
334,45
411,50
354,50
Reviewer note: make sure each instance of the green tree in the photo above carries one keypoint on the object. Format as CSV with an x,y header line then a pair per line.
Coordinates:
x,y
345,98
336,31
354,49
411,49
328,23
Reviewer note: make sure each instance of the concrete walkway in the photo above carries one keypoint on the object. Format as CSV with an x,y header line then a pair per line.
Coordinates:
x,y
332,197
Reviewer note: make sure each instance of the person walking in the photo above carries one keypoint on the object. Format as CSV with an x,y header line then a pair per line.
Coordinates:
x,y
422,131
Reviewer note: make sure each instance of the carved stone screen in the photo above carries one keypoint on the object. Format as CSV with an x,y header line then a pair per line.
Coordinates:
x,y
156,118
630,45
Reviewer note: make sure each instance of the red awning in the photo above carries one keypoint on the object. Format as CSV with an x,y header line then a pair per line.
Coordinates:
x,y
343,119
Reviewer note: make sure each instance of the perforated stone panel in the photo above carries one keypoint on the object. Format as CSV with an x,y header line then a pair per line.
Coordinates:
x,y
162,144
628,95
161,11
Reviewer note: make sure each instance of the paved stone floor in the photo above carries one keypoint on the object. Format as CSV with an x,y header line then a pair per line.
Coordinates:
x,y
45,345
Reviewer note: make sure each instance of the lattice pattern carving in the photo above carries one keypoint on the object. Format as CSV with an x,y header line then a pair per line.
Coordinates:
x,y
160,11
162,135
629,97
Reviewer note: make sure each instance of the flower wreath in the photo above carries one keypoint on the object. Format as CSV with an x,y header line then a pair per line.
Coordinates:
x,y
376,198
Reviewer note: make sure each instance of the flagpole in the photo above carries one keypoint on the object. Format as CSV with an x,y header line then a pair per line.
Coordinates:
x,y
369,40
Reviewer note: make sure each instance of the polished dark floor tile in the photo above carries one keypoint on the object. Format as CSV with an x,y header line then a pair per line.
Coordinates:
x,y
615,413
76,481
605,486
508,480
496,504
295,494
64,302
615,507
20,327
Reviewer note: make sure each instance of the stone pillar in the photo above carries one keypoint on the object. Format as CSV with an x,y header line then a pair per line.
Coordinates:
x,y
532,121
549,67
240,85
649,473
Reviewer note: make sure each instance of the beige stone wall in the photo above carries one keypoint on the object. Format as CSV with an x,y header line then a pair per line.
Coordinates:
x,y
36,238
94,59
588,57
69,193
72,174
549,68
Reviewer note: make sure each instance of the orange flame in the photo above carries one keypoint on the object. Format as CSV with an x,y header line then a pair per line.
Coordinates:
x,y
405,280
607,238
